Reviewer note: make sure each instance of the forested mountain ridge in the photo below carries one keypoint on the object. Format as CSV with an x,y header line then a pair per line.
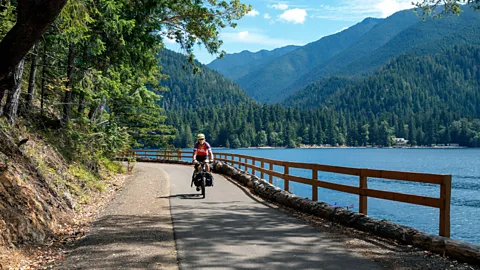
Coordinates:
x,y
266,81
190,91
403,32
407,85
429,99
377,37
237,65
422,37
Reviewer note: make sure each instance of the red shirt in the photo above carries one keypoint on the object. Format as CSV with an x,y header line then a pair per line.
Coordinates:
x,y
202,149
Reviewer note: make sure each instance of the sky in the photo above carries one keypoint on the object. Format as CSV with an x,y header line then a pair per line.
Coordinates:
x,y
273,24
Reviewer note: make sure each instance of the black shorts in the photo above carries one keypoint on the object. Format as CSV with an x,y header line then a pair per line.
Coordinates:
x,y
201,158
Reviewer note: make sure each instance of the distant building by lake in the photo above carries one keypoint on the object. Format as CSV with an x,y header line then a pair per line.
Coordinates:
x,y
399,142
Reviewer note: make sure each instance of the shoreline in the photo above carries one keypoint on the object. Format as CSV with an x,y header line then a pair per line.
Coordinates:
x,y
351,147
388,147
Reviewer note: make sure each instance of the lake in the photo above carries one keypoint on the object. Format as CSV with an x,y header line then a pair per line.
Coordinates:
x,y
462,164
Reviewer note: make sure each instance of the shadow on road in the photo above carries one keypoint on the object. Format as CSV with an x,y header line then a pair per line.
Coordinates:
x,y
193,196
251,236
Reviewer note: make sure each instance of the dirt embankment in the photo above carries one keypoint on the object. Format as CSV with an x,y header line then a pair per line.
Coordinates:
x,y
43,201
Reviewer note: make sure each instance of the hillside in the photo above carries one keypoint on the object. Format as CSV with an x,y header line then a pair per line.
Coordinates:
x,y
420,37
448,81
190,91
367,50
237,65
266,81
427,99
45,199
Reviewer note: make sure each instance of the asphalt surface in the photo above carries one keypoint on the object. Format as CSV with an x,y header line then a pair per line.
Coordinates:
x,y
134,231
229,229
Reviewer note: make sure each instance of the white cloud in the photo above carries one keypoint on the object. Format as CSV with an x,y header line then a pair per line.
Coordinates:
x,y
168,40
388,7
253,13
355,10
243,35
295,15
281,6
247,37
267,16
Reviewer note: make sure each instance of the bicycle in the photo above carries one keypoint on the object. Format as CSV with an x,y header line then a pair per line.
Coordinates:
x,y
203,178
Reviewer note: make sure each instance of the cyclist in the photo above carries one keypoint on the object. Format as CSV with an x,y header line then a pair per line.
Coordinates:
x,y
202,152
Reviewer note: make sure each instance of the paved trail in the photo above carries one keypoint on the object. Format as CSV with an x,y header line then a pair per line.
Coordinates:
x,y
134,231
229,229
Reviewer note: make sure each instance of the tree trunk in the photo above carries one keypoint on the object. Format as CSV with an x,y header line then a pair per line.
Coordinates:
x,y
31,80
33,19
44,62
11,106
81,99
68,94
3,89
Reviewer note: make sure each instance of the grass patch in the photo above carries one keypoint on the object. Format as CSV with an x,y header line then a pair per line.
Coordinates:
x,y
86,178
112,166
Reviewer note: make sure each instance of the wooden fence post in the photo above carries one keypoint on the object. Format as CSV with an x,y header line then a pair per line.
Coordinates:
x,y
270,177
253,166
286,183
363,205
314,187
261,172
445,195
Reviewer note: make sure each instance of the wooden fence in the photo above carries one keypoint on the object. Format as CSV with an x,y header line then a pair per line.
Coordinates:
x,y
251,162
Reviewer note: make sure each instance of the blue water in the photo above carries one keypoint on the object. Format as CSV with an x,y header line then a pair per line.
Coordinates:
x,y
462,164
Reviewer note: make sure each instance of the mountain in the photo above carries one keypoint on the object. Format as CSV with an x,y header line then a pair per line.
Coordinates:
x,y
422,37
265,81
408,85
190,91
428,99
237,65
425,99
370,44
377,37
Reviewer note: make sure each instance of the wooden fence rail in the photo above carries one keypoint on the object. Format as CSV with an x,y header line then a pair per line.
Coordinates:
x,y
250,162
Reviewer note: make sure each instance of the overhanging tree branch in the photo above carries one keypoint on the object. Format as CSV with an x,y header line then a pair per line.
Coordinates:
x,y
33,19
